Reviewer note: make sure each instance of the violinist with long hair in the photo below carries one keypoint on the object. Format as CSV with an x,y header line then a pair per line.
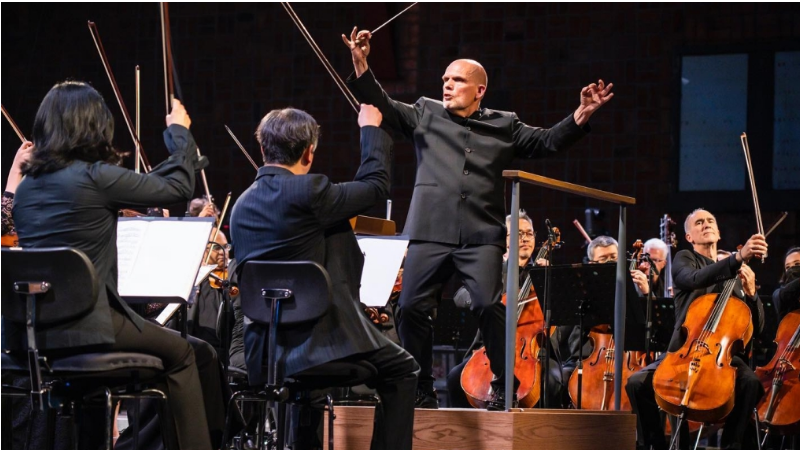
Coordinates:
x,y
695,273
70,197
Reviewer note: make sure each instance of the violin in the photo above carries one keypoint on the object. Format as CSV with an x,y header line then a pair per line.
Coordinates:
x,y
780,408
697,381
598,367
477,375
10,240
378,314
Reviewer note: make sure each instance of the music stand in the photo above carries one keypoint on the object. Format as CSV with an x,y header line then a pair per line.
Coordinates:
x,y
663,316
580,294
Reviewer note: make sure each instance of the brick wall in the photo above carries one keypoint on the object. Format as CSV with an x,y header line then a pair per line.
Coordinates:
x,y
238,61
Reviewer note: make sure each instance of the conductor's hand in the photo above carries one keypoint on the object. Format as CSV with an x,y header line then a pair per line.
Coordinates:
x,y
593,97
755,246
178,116
359,49
369,116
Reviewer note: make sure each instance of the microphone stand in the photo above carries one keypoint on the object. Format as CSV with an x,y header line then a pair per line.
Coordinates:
x,y
545,303
224,308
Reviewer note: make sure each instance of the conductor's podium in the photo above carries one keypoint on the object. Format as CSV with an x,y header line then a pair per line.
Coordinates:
x,y
472,429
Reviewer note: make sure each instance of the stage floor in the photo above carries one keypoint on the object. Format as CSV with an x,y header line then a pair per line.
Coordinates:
x,y
472,429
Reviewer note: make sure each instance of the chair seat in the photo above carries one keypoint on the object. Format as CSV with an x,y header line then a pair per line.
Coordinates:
x,y
109,364
332,374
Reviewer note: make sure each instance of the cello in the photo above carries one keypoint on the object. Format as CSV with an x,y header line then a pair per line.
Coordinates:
x,y
598,367
780,408
697,381
477,375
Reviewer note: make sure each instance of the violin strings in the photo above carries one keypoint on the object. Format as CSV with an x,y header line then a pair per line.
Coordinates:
x,y
336,78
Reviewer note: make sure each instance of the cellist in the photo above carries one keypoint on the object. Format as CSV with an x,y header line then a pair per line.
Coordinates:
x,y
697,272
527,241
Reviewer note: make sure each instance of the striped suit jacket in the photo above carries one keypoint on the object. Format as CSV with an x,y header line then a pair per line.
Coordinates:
x,y
287,217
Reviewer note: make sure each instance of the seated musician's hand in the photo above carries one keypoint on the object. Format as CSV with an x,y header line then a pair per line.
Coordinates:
x,y
178,115
748,280
542,262
369,116
640,280
755,246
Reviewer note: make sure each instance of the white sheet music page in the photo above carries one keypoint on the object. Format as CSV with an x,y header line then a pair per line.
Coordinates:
x,y
160,257
383,257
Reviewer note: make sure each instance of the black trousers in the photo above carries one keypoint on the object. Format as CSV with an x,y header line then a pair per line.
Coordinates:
x,y
738,431
216,392
456,398
189,405
428,266
395,384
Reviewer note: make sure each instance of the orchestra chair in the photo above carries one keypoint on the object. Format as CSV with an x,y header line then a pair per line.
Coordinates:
x,y
289,294
46,286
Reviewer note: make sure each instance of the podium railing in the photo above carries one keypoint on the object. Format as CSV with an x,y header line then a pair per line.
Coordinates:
x,y
512,281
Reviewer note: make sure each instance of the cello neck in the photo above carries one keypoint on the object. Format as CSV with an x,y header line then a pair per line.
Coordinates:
x,y
719,306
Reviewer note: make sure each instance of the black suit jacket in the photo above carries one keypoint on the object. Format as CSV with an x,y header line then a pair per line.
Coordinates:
x,y
695,275
78,207
787,298
287,217
458,192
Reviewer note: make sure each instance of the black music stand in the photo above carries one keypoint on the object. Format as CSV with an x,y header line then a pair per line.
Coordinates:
x,y
580,294
663,317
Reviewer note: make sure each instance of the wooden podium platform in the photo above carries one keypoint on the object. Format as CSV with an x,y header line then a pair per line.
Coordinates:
x,y
472,429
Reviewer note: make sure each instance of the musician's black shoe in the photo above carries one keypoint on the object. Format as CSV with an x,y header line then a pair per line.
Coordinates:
x,y
498,401
427,400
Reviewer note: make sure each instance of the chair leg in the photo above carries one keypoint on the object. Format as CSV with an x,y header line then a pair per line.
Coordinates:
x,y
281,426
109,406
331,417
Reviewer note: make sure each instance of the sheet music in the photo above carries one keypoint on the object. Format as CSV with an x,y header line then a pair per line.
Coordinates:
x,y
129,240
159,257
383,257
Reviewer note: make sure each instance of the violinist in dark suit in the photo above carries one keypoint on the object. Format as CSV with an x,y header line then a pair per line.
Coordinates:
x,y
70,197
697,272
288,214
455,222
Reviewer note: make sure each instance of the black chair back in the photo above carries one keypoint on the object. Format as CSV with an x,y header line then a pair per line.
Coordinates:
x,y
307,282
70,273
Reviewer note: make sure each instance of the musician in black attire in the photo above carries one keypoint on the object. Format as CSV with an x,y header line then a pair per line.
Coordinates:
x,y
695,273
455,222
787,297
71,194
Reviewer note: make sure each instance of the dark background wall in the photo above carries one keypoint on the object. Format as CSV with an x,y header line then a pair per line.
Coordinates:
x,y
237,61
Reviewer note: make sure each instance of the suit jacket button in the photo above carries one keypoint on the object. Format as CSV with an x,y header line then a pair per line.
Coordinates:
x,y
468,150
466,172
463,195
469,129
